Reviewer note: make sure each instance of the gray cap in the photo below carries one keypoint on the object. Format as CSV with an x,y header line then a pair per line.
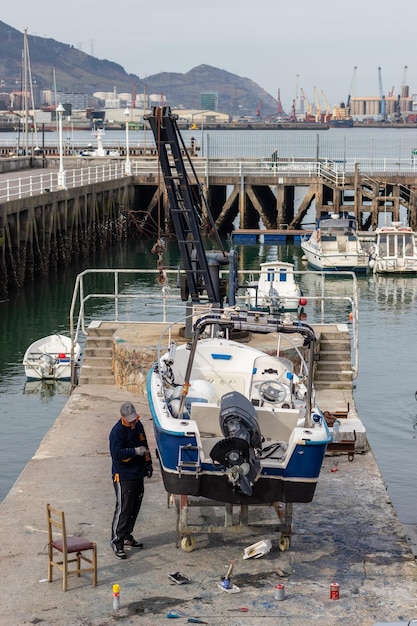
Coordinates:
x,y
128,411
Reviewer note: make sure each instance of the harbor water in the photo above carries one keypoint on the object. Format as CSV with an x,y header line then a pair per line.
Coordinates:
x,y
342,145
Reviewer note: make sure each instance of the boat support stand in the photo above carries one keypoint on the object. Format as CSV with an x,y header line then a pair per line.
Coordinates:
x,y
236,524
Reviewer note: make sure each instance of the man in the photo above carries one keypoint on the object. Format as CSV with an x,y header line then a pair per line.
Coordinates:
x,y
131,462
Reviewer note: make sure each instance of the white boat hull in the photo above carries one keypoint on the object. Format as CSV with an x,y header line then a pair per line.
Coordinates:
x,y
321,260
334,245
394,251
49,358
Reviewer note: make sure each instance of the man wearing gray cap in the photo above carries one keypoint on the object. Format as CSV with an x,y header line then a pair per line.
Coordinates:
x,y
131,462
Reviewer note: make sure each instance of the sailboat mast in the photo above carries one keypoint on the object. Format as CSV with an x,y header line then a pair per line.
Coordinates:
x,y
25,89
32,99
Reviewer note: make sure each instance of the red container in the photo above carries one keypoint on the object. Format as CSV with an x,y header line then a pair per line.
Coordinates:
x,y
334,591
279,592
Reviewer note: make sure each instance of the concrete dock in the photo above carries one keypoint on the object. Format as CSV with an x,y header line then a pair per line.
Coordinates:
x,y
349,534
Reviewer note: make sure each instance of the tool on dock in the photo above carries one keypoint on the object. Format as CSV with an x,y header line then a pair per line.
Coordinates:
x,y
226,583
242,609
179,578
194,620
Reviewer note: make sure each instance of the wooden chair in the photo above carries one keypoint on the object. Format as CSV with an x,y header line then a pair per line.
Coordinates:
x,y
59,542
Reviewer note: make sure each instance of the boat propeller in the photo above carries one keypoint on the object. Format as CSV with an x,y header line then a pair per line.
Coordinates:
x,y
238,451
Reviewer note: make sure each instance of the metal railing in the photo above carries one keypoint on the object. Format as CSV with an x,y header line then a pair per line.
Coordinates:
x,y
131,296
28,184
24,184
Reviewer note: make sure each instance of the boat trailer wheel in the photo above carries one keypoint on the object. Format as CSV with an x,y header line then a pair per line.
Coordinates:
x,y
188,543
284,543
272,391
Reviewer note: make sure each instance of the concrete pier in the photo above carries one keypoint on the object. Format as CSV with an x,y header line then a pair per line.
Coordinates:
x,y
349,534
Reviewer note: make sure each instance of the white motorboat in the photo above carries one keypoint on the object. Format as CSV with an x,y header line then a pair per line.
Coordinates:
x,y
232,422
335,245
394,250
275,290
51,358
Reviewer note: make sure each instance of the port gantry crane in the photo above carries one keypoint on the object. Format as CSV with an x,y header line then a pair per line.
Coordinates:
x,y
186,208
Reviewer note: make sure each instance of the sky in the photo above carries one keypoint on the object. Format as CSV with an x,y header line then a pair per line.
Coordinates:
x,y
280,44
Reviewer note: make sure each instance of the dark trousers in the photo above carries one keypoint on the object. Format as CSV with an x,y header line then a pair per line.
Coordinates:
x,y
129,495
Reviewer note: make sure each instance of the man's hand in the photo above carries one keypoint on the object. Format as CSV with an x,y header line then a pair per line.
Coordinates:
x,y
141,451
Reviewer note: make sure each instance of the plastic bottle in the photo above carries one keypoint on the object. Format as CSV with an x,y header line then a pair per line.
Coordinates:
x,y
336,431
116,597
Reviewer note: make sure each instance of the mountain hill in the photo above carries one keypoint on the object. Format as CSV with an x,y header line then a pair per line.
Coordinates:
x,y
76,71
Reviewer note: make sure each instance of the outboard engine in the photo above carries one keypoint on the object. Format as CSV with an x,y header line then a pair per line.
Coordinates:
x,y
46,362
239,451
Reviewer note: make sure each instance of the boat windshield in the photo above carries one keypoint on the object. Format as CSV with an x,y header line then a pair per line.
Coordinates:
x,y
339,226
396,245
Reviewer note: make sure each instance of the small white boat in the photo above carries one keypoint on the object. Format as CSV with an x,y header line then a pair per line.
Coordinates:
x,y
394,250
275,290
50,358
334,245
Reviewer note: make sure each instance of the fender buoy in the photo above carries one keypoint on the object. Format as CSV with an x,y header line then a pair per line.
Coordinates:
x,y
318,235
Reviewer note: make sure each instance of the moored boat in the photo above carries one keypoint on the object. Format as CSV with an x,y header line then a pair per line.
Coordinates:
x,y
51,358
394,250
275,290
335,245
232,422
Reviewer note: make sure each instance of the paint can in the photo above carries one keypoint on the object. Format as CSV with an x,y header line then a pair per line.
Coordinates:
x,y
116,597
334,591
279,592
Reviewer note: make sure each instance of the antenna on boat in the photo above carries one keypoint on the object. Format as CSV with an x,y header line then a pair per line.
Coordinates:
x,y
385,205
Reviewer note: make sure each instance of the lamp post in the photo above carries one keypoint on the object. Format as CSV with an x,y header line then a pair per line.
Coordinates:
x,y
128,167
61,173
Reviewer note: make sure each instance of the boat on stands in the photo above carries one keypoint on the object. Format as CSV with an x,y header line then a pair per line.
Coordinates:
x,y
276,290
233,422
334,245
51,358
394,250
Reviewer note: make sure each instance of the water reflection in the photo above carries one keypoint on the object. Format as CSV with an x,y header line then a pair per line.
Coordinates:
x,y
47,389
397,291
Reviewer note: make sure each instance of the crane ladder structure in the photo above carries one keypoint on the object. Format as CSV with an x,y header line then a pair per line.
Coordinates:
x,y
185,211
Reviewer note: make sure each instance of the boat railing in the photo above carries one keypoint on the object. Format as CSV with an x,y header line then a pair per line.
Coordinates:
x,y
135,296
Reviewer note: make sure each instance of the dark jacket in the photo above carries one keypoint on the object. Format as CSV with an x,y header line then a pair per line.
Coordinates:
x,y
123,440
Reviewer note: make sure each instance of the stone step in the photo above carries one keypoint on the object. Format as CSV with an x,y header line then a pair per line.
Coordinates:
x,y
98,351
333,366
103,360
98,328
333,384
334,345
333,375
92,364
96,380
342,355
98,341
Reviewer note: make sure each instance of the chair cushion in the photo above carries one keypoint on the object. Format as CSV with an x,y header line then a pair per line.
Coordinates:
x,y
74,544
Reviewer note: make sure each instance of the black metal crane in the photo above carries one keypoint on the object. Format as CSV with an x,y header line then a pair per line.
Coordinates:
x,y
201,267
